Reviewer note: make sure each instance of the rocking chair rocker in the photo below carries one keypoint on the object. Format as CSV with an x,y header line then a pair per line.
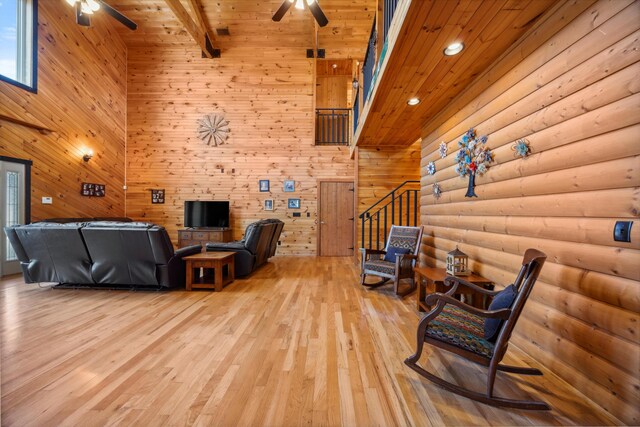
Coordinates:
x,y
396,261
459,328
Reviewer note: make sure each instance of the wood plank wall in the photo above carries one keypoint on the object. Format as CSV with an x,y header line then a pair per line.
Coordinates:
x,y
82,96
571,89
380,170
267,96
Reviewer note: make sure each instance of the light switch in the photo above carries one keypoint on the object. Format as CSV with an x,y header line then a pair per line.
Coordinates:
x,y
47,201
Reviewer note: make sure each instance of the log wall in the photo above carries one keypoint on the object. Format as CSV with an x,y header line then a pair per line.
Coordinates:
x,y
571,91
267,96
82,97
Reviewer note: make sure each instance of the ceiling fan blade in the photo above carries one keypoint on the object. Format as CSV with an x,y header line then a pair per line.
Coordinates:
x,y
284,7
82,18
118,16
317,13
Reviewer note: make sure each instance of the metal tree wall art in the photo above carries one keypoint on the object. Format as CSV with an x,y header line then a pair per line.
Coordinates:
x,y
473,158
213,127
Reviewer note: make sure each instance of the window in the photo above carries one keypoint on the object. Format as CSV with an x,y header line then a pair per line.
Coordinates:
x,y
18,42
13,209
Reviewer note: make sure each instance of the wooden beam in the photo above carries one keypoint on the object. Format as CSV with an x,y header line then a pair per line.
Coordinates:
x,y
196,8
43,130
197,31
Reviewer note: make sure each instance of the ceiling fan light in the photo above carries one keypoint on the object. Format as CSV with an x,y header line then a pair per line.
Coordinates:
x,y
299,4
85,9
72,2
93,5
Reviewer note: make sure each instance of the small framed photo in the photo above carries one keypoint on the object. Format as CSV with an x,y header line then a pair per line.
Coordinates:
x,y
157,196
293,204
99,190
289,186
264,185
268,205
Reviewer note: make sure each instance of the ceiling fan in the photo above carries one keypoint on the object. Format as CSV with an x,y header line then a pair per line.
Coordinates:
x,y
314,7
85,8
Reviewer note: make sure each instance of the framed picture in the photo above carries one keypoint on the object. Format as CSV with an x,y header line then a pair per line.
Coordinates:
x,y
289,186
293,204
95,190
268,205
99,190
264,185
157,196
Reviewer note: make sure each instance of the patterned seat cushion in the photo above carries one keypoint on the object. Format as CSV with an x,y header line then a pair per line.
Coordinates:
x,y
380,266
462,329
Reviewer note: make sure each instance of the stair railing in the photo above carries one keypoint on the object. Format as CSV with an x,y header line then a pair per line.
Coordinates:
x,y
399,207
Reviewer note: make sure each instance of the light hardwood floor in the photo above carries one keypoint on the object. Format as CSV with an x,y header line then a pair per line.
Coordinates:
x,y
297,343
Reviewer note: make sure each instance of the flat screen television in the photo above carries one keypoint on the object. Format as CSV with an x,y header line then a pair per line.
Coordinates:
x,y
206,214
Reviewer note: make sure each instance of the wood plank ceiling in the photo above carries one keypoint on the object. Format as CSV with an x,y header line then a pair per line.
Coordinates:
x,y
417,66
250,25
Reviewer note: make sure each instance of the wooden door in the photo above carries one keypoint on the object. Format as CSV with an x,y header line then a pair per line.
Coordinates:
x,y
12,211
336,219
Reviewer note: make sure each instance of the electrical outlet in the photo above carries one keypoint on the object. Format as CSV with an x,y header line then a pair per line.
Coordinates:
x,y
47,200
622,231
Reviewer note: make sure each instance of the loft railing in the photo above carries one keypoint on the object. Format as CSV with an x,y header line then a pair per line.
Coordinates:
x,y
371,63
356,110
399,207
389,10
332,126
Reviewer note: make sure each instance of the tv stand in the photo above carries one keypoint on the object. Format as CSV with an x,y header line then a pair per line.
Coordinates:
x,y
202,236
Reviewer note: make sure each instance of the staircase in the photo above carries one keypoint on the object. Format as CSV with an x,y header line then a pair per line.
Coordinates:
x,y
399,207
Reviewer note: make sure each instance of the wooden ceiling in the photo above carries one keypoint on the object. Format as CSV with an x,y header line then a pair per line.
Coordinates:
x,y
250,25
418,68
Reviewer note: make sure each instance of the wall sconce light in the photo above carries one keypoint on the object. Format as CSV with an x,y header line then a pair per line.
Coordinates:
x,y
87,155
355,83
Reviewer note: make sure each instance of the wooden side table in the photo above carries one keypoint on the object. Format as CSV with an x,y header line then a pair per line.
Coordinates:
x,y
431,279
216,261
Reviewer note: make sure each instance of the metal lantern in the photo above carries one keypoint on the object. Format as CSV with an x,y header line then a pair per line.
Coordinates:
x,y
457,263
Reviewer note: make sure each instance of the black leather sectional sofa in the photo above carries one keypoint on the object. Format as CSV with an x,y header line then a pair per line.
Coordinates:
x,y
101,253
259,243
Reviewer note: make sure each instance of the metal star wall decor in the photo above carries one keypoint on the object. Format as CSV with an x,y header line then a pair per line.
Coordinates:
x,y
213,127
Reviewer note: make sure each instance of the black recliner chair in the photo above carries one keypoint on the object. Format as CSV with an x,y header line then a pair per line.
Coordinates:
x,y
102,253
256,247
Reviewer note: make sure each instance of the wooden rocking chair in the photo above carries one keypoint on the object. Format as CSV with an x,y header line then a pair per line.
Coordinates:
x,y
405,244
459,328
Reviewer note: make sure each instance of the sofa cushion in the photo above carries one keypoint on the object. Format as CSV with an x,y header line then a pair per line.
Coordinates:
x,y
121,255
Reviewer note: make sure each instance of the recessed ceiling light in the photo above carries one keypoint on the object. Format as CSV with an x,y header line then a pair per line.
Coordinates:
x,y
454,49
413,101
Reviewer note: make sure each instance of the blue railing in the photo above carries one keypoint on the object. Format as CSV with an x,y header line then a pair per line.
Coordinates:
x,y
356,109
389,10
332,126
371,63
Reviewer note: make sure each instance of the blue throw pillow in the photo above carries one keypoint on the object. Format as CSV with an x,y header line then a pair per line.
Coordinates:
x,y
392,252
503,299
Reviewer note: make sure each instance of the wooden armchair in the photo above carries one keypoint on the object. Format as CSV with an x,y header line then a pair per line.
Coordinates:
x,y
401,239
454,326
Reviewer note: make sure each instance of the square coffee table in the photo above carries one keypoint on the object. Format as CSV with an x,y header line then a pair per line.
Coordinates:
x,y
217,270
